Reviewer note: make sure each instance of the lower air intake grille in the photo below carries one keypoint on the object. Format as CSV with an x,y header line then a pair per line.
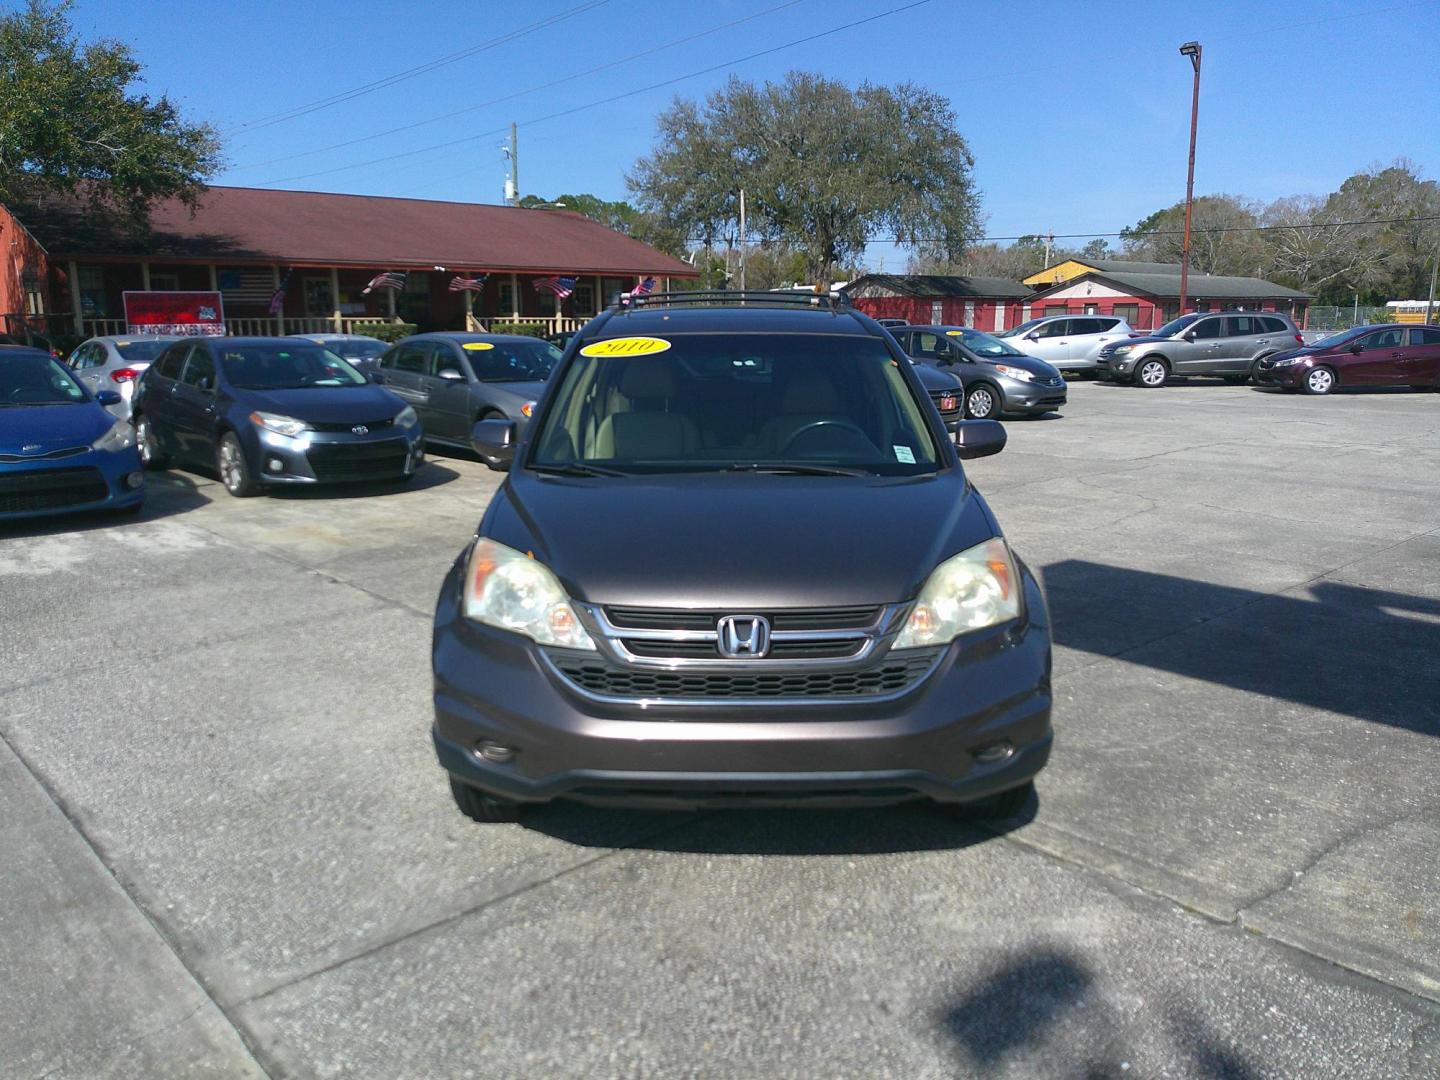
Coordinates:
x,y
358,461
896,673
50,489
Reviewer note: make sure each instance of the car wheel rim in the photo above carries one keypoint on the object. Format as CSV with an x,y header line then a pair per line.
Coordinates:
x,y
981,403
1153,374
230,468
1320,381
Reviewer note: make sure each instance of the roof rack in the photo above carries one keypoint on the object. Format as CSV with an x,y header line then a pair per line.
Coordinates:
x,y
834,300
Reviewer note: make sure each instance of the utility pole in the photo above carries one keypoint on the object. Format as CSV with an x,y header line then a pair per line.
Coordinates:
x,y
1049,242
1430,303
512,183
1192,50
742,244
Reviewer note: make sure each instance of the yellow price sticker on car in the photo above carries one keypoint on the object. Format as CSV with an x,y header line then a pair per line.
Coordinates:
x,y
953,333
626,346
477,346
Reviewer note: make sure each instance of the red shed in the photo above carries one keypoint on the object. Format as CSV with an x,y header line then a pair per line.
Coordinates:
x,y
986,303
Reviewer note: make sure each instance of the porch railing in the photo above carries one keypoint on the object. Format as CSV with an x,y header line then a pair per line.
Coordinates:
x,y
265,326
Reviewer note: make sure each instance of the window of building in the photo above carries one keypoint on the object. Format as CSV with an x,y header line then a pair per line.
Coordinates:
x,y
1054,309
546,300
507,298
1129,312
92,291
1202,307
34,295
164,281
318,299
584,300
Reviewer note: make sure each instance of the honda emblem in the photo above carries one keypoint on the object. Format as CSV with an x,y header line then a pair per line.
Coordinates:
x,y
744,637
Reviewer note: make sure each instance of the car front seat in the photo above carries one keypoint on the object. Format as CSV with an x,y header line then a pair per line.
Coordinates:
x,y
808,398
647,432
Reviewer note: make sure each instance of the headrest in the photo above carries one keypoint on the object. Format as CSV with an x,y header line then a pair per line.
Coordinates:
x,y
645,378
810,393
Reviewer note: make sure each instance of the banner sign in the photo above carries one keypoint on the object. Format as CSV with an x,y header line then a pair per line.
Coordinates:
x,y
186,313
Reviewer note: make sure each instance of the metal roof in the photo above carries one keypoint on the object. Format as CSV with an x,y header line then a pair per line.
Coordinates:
x,y
936,286
236,224
1200,286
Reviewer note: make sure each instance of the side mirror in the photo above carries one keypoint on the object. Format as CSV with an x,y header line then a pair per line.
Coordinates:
x,y
378,378
1357,348
494,438
451,375
106,398
1032,336
978,438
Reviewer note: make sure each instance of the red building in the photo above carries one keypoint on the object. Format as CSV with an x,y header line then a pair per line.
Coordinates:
x,y
68,268
985,303
1149,300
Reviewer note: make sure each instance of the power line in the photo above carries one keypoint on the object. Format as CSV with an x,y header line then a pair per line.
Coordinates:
x,y
1128,234
414,72
529,90
608,100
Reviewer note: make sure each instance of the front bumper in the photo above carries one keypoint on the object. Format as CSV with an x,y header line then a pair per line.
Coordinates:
x,y
1121,369
1291,377
94,480
936,740
1028,399
329,457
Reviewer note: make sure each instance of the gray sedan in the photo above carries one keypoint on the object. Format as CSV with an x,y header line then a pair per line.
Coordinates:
x,y
116,363
360,351
455,380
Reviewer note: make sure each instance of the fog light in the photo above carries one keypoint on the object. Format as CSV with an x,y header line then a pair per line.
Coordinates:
x,y
274,465
494,751
134,480
993,752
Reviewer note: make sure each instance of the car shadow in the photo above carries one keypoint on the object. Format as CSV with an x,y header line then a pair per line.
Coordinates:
x,y
878,830
429,475
1346,390
1367,653
166,495
1044,1002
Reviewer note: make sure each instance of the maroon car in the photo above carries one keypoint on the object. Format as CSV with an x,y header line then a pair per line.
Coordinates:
x,y
1389,355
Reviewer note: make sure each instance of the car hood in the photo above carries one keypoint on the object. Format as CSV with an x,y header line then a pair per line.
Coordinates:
x,y
521,392
728,540
51,427
1025,363
1143,339
932,378
325,405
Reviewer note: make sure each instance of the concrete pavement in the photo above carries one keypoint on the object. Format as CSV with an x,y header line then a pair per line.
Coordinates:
x,y
228,851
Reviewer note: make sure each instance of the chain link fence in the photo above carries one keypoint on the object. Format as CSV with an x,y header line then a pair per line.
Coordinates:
x,y
1346,316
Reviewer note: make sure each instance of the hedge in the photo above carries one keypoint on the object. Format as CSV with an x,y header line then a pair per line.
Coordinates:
x,y
385,331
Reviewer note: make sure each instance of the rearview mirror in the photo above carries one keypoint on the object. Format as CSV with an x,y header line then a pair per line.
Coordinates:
x,y
979,438
106,398
494,438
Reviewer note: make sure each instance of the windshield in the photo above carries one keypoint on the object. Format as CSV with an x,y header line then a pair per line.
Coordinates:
x,y
1174,326
1022,328
512,361
285,367
141,352
708,402
983,344
355,348
1337,338
36,380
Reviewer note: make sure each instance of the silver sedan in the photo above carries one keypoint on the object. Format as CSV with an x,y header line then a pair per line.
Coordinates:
x,y
116,363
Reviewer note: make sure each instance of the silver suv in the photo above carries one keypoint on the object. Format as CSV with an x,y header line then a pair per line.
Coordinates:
x,y
1230,344
1068,342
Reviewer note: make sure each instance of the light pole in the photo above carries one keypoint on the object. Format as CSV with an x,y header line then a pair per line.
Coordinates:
x,y
1192,50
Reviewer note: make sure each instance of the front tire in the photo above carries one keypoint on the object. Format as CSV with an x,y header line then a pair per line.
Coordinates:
x,y
982,402
147,442
478,806
1320,381
234,470
1152,373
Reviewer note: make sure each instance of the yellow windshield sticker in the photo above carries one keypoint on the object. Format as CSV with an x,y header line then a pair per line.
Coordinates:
x,y
626,346
477,346
953,333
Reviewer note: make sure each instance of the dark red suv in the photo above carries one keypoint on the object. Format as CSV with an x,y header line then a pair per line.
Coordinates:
x,y
1390,355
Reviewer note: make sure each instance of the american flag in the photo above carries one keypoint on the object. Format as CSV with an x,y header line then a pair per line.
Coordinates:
x,y
277,299
387,280
645,288
460,283
562,287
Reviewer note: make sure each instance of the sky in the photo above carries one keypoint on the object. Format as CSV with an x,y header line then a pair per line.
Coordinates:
x,y
1077,115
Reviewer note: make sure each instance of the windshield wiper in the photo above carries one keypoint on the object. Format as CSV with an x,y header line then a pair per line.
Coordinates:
x,y
32,404
577,468
796,469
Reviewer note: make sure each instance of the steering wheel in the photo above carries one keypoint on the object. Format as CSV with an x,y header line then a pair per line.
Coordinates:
x,y
845,424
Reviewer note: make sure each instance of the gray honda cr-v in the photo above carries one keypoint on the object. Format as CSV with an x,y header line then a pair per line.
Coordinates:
x,y
737,561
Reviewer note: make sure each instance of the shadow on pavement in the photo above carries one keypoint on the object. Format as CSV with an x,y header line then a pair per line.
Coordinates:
x,y
1364,652
914,826
430,475
1020,1007
166,494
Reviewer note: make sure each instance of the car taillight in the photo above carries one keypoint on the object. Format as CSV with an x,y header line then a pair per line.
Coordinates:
x,y
1300,338
125,374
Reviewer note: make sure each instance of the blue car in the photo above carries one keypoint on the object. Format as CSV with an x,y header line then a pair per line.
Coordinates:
x,y
272,411
60,451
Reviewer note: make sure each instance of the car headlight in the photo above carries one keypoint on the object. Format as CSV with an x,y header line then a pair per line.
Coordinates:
x,y
511,590
1292,361
1014,372
281,425
1121,349
121,436
407,417
977,588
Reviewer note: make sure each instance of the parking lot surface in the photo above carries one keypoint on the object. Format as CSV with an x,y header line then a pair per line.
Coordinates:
x,y
228,850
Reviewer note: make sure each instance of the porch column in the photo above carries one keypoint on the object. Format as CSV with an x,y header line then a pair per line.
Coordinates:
x,y
75,306
515,297
335,299
145,276
469,310
279,315
214,279
390,303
